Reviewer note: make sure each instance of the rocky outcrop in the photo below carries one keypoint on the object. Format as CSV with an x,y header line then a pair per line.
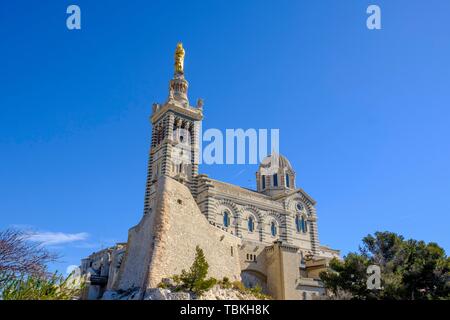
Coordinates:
x,y
218,293
215,293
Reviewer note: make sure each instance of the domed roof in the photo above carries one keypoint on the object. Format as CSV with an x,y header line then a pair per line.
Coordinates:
x,y
284,163
274,162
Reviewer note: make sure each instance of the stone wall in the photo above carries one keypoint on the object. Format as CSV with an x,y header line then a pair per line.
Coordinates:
x,y
135,266
283,263
164,242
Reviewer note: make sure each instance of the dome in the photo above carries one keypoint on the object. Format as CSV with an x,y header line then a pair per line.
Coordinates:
x,y
274,162
275,175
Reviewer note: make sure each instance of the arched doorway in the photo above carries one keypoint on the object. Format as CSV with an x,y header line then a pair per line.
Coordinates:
x,y
252,278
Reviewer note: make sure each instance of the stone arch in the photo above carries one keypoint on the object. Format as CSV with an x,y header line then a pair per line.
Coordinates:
x,y
275,215
279,220
247,213
234,214
290,205
251,278
253,211
274,228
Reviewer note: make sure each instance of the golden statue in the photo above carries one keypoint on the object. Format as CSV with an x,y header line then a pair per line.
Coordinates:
x,y
179,59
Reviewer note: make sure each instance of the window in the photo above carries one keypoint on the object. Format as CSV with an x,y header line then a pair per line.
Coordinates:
x,y
275,180
300,207
251,224
287,181
251,257
263,181
157,172
273,229
297,224
304,225
226,219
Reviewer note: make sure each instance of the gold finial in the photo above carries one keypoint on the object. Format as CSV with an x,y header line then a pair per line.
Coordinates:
x,y
179,59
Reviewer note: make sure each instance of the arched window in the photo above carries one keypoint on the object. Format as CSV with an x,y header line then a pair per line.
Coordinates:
x,y
273,229
226,219
298,224
263,182
287,181
275,180
303,225
251,224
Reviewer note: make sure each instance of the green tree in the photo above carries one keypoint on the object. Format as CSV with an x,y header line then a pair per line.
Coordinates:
x,y
410,269
195,279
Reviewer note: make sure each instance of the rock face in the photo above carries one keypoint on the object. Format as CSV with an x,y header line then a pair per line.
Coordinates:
x,y
165,294
133,294
215,293
218,293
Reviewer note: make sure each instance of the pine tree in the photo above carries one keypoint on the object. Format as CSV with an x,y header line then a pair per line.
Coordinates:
x,y
195,279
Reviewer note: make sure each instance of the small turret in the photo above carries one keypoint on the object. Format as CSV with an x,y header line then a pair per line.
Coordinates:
x,y
275,175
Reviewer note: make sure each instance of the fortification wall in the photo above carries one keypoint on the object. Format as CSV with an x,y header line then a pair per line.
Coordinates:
x,y
135,266
181,227
164,242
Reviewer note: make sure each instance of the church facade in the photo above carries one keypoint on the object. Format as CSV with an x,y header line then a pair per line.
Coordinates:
x,y
266,237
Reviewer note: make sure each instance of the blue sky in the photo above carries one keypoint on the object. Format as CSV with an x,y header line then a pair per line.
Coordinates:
x,y
363,115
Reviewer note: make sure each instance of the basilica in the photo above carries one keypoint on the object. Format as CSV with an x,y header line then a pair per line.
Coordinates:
x,y
266,237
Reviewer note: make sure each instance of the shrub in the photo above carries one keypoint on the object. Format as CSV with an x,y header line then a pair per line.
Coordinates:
x,y
55,287
163,285
195,280
255,291
225,283
239,286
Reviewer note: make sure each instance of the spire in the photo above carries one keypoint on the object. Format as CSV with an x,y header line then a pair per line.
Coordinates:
x,y
178,86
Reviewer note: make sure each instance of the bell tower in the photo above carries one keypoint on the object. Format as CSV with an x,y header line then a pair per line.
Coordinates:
x,y
174,149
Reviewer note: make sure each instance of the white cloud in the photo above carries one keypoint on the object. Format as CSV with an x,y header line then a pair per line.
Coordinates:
x,y
55,238
71,268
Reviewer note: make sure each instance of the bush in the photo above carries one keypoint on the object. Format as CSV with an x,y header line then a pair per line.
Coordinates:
x,y
163,285
255,291
225,283
239,286
195,280
55,287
